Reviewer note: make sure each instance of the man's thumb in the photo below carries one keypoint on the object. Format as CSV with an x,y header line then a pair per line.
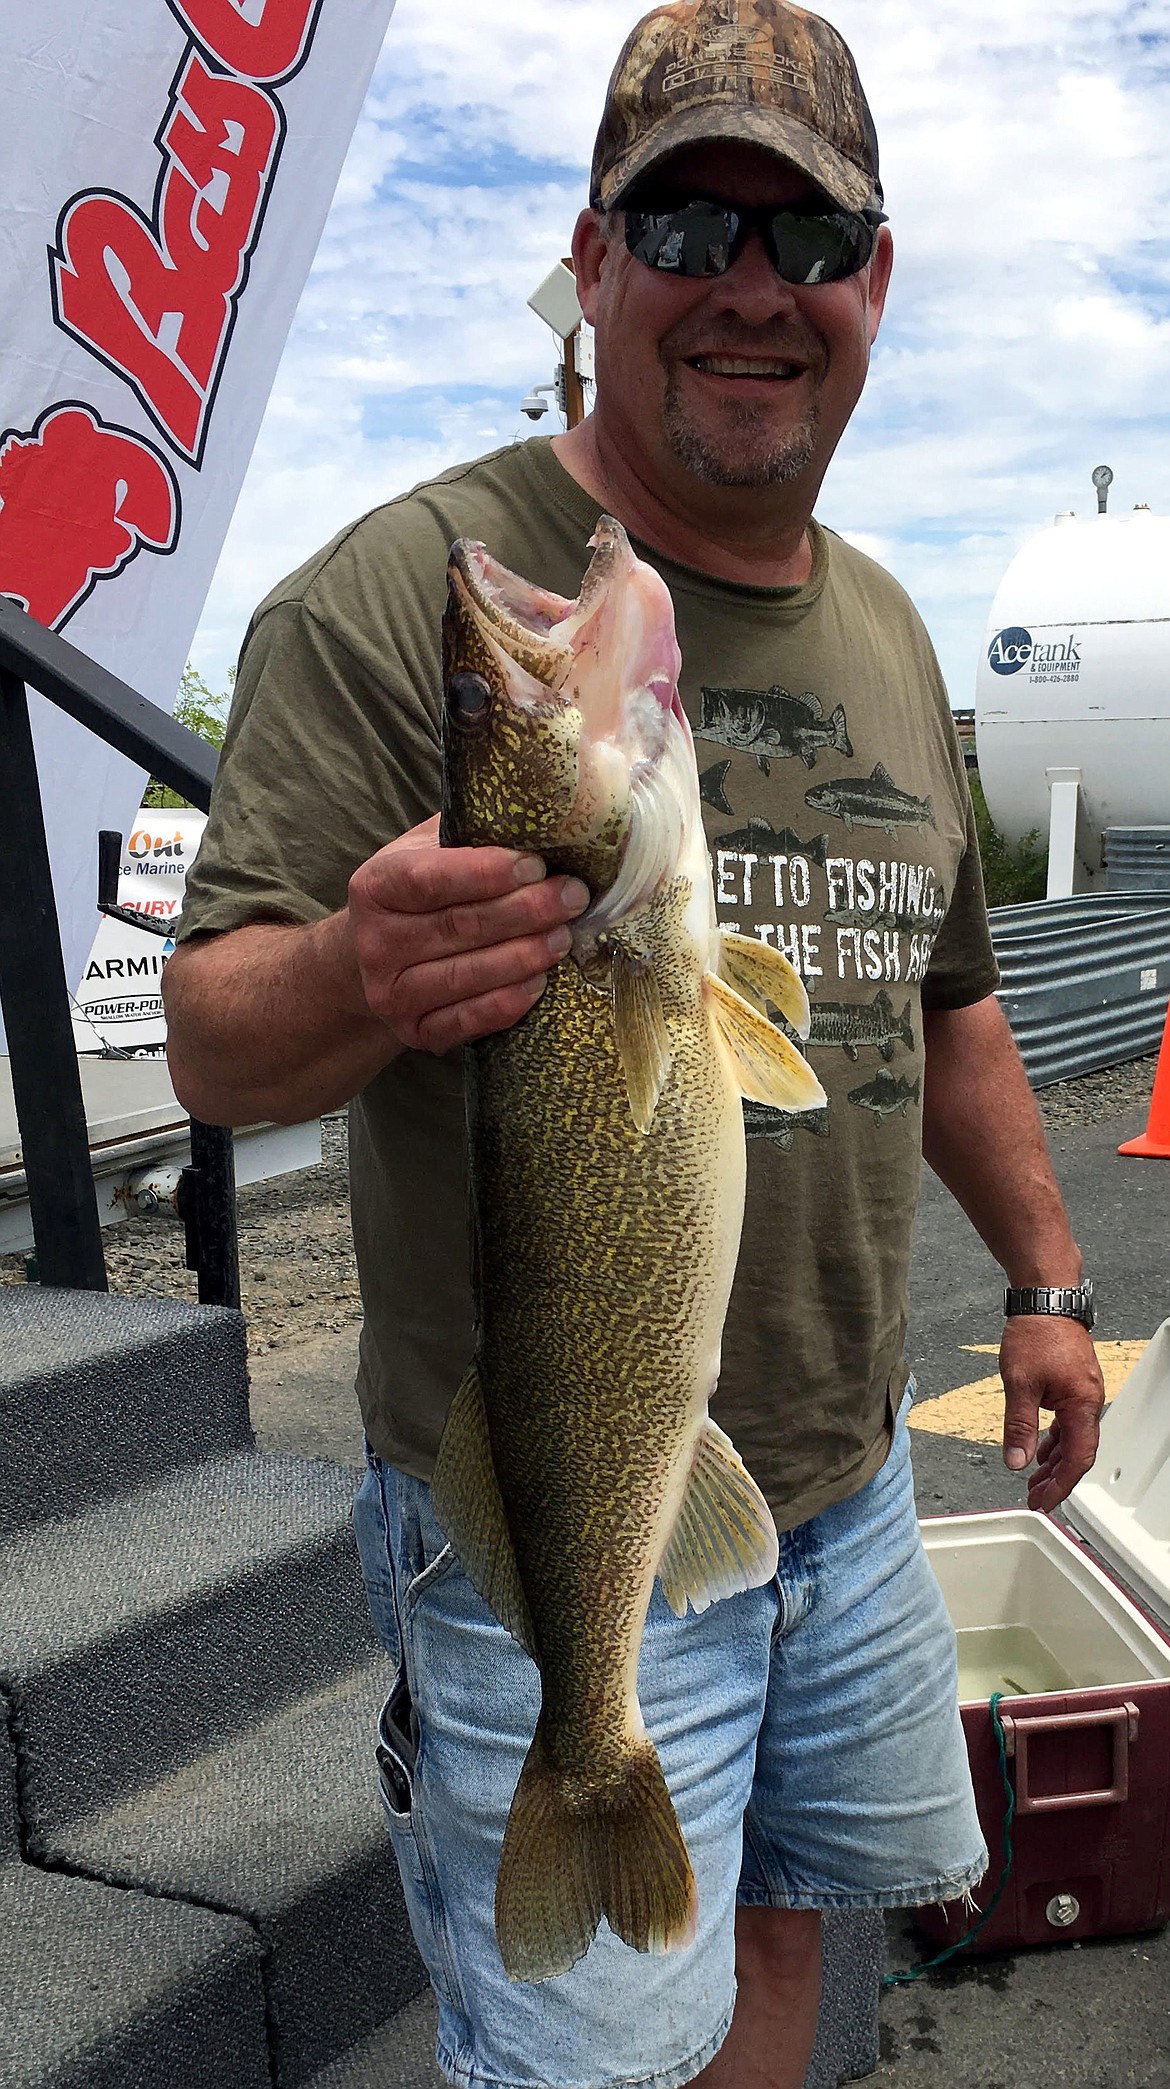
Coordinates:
x,y
1021,1430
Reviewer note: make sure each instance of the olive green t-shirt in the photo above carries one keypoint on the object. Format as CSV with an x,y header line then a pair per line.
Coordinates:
x,y
840,828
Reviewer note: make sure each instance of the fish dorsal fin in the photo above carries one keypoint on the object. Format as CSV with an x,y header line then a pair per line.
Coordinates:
x,y
465,1494
764,977
882,775
768,1067
640,1032
724,1539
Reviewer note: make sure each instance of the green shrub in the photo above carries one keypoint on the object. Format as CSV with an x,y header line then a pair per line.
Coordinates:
x,y
201,713
1011,874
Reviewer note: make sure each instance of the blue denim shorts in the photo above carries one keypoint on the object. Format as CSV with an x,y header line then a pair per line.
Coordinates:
x,y
809,1732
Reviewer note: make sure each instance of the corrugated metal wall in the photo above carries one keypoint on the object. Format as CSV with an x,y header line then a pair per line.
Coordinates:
x,y
1137,859
1085,980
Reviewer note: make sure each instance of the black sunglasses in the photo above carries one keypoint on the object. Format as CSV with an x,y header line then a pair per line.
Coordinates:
x,y
703,239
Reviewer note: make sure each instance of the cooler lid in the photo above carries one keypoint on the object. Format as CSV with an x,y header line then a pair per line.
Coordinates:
x,y
1122,1507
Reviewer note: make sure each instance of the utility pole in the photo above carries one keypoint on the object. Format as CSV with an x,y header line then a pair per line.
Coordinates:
x,y
574,389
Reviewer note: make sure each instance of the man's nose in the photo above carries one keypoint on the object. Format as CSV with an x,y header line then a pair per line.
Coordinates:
x,y
751,287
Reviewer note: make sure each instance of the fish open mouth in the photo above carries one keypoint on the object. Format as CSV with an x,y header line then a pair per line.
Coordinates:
x,y
622,614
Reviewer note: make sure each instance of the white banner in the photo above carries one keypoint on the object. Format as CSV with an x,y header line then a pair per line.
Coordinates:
x,y
166,168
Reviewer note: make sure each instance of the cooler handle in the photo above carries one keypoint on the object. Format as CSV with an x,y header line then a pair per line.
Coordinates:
x,y
1017,1733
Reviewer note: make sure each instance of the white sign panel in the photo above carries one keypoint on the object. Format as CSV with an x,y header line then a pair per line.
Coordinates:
x,y
166,167
118,1003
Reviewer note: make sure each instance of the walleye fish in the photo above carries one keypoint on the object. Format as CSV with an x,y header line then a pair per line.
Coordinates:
x,y
607,1165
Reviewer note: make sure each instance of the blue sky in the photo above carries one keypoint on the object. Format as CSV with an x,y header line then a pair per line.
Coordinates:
x,y
1026,158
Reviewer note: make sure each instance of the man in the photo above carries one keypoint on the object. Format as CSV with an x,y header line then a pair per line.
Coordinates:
x,y
734,263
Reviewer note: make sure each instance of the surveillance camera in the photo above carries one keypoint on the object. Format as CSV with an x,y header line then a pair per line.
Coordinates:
x,y
534,406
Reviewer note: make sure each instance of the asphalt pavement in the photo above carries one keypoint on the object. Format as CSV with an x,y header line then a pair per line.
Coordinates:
x,y
1094,2015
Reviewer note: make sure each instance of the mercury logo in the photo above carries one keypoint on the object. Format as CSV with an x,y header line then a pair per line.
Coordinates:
x,y
1010,650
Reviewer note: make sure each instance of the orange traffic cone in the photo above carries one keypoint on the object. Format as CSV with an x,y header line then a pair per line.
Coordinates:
x,y
1154,1142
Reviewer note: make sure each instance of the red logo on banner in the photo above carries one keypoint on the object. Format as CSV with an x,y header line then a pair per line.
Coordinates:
x,y
78,501
156,299
270,48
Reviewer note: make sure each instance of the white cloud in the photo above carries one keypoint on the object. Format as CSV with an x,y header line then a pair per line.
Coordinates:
x,y
1026,156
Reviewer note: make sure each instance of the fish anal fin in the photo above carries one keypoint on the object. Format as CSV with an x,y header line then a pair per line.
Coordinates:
x,y
640,1031
568,1859
724,1539
465,1494
763,974
767,1065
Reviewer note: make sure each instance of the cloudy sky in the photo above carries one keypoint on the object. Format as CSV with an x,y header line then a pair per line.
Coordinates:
x,y
1026,159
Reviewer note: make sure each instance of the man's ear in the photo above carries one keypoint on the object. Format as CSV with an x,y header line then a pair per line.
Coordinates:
x,y
879,279
589,250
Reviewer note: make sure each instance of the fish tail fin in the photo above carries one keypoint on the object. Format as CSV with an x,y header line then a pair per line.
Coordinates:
x,y
906,1026
568,1860
928,809
841,740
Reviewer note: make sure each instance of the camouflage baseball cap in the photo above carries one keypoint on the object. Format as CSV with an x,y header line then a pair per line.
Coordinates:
x,y
760,72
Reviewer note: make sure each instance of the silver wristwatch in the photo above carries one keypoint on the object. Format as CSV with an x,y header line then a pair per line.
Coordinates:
x,y
1070,1302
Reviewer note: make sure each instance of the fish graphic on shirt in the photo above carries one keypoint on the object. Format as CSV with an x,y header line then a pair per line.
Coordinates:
x,y
871,801
711,791
884,1094
757,838
903,922
852,1024
772,724
761,1121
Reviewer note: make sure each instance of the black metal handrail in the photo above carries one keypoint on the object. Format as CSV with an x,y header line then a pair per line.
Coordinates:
x,y
34,992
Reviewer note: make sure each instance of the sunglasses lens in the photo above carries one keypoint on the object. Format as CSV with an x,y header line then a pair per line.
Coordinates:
x,y
700,239
694,241
820,249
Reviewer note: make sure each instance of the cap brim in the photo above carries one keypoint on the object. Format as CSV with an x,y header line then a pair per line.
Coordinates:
x,y
850,187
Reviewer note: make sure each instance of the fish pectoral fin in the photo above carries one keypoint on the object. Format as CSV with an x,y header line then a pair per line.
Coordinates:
x,y
724,1539
768,1066
640,1032
763,976
465,1494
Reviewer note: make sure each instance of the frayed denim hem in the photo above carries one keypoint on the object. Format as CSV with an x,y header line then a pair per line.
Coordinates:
x,y
957,1885
666,2078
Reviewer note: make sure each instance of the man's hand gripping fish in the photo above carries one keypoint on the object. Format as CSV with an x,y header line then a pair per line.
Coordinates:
x,y
607,1169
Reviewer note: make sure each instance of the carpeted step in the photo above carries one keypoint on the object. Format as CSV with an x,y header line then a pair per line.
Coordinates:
x,y
854,1961
99,1395
102,1989
139,1633
400,2052
282,1827
9,1813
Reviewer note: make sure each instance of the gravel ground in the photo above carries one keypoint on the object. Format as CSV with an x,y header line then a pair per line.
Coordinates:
x,y
1094,1096
297,1274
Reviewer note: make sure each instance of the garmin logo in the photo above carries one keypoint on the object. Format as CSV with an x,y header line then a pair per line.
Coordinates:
x,y
1055,660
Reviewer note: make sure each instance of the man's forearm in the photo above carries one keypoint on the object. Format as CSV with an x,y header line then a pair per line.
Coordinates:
x,y
981,1133
269,1024
435,948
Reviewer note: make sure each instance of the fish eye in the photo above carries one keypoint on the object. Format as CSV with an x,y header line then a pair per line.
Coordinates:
x,y
469,696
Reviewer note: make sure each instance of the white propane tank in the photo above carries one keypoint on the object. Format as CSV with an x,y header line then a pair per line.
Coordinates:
x,y
1074,677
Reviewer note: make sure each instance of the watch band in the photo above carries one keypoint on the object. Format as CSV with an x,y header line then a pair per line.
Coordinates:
x,y
1064,1302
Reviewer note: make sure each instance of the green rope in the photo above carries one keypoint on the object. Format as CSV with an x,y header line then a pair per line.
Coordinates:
x,y
927,1965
